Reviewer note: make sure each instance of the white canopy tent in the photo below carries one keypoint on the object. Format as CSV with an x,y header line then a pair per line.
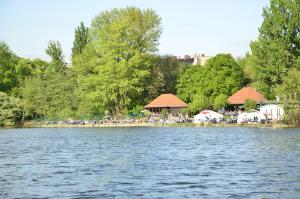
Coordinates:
x,y
207,115
253,116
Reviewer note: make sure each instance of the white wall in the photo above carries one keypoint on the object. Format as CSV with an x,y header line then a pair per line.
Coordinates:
x,y
273,111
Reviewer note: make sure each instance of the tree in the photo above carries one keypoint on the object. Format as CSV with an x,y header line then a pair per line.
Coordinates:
x,y
220,101
190,81
218,79
289,93
34,98
49,90
249,104
163,78
52,96
121,41
223,75
169,68
8,60
24,67
10,110
57,59
198,103
278,46
81,40
39,67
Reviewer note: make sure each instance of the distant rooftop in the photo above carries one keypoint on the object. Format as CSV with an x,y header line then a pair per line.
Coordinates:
x,y
246,93
167,101
196,59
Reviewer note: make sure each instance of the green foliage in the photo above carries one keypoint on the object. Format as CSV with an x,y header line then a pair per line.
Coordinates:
x,y
292,114
289,93
26,68
220,101
57,59
169,68
115,69
49,89
290,88
278,46
8,60
121,41
163,78
10,110
199,102
136,111
81,39
52,96
218,79
249,104
164,114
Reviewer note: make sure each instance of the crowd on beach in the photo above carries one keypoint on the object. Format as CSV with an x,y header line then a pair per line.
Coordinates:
x,y
107,120
229,118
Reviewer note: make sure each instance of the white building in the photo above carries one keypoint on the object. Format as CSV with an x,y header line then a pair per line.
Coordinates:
x,y
200,59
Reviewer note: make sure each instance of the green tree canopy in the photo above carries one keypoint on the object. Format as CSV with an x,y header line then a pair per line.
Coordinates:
x,y
277,48
220,101
81,39
8,61
199,102
57,58
120,44
218,79
48,89
10,110
289,93
163,79
52,96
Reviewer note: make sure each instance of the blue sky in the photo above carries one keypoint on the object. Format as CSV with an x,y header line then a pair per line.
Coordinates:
x,y
189,26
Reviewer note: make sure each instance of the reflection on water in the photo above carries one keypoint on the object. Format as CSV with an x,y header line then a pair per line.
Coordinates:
x,y
150,163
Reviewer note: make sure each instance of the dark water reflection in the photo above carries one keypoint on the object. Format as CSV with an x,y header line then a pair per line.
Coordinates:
x,y
150,163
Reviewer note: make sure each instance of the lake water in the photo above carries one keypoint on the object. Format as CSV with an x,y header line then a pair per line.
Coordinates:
x,y
131,163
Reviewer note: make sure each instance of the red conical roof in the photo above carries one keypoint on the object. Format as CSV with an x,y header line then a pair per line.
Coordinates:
x,y
246,93
167,101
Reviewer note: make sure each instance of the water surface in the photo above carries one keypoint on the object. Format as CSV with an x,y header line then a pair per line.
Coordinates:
x,y
150,163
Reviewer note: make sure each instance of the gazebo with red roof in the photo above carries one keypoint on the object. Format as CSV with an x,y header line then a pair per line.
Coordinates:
x,y
245,93
166,101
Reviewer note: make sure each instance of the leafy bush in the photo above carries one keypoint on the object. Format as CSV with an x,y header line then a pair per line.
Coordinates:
x,y
220,101
249,104
10,110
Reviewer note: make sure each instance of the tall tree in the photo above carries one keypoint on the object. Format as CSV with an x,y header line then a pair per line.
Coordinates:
x,y
57,58
122,40
49,90
278,46
163,79
81,39
170,69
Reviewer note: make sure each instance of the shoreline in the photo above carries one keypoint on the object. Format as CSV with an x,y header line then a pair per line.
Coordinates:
x,y
152,125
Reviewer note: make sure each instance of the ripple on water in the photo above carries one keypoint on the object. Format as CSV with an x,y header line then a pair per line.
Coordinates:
x,y
150,163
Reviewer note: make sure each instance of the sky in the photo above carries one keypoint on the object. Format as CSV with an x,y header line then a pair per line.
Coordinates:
x,y
189,26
